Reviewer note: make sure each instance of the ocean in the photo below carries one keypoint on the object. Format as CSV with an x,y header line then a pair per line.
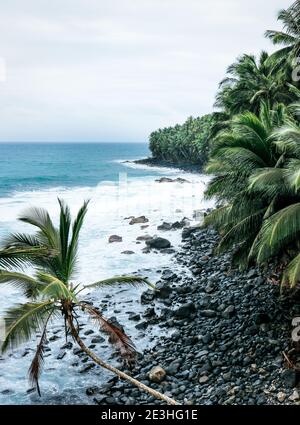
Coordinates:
x,y
36,175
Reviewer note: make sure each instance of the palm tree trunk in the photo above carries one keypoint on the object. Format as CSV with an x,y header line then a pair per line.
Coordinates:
x,y
116,371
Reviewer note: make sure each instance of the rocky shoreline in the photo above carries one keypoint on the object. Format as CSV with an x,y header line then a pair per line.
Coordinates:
x,y
211,335
153,162
223,335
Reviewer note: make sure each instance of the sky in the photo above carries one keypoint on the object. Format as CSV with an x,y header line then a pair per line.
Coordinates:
x,y
115,70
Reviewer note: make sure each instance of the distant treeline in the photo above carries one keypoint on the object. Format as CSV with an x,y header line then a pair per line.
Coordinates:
x,y
186,143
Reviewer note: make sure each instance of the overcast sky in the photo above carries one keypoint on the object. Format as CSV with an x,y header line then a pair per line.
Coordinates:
x,y
114,70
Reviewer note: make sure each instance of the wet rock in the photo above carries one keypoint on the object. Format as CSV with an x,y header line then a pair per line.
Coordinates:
x,y
295,396
185,311
169,275
281,396
188,231
149,312
87,367
128,252
89,332
6,392
142,325
54,338
203,379
180,224
97,340
92,390
134,316
99,399
157,374
61,355
147,296
139,220
167,251
164,226
289,376
229,312
163,290
261,318
115,238
158,243
208,313
67,346
164,180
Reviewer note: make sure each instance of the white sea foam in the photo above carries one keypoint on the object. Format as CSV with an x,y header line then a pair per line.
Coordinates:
x,y
110,204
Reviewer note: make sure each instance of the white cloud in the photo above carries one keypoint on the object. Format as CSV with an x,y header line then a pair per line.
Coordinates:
x,y
117,69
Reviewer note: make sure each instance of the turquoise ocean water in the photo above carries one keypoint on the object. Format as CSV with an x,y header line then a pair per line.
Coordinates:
x,y
35,175
34,166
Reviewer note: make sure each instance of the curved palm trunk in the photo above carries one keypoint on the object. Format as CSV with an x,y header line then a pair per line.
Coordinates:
x,y
116,371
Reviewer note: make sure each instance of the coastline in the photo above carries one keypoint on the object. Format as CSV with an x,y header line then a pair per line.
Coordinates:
x,y
152,162
228,330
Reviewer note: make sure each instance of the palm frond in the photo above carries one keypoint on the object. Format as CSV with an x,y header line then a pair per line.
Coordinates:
x,y
54,288
30,286
116,336
40,218
279,230
35,368
18,257
73,245
22,321
130,280
291,274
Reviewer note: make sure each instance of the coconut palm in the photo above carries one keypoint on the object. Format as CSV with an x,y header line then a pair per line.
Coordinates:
x,y
237,154
251,81
52,292
257,169
280,232
289,37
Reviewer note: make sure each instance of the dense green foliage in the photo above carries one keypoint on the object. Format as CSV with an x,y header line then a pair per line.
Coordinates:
x,y
255,160
186,143
249,82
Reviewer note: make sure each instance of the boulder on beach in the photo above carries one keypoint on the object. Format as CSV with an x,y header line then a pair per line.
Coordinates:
x,y
165,226
164,180
139,220
169,180
180,224
158,243
188,231
115,238
163,290
157,374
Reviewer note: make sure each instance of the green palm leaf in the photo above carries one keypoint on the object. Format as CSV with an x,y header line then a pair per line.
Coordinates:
x,y
28,285
130,280
292,272
23,321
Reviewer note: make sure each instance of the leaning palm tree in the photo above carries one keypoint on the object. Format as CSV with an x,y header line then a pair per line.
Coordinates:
x,y
52,293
